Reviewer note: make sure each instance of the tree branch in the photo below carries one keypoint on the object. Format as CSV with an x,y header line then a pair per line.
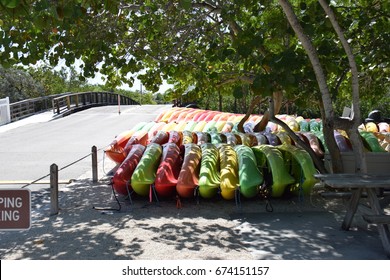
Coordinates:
x,y
340,80
328,117
317,161
351,58
245,79
352,128
254,102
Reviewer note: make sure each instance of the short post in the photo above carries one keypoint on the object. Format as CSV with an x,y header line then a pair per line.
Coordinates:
x,y
68,102
53,189
119,104
84,99
94,165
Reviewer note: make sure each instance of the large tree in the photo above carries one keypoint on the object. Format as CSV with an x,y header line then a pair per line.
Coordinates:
x,y
18,85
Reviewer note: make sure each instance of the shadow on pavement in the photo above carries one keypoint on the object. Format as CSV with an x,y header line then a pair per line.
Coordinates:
x,y
212,229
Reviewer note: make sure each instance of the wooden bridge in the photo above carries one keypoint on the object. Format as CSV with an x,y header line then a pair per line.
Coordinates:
x,y
66,103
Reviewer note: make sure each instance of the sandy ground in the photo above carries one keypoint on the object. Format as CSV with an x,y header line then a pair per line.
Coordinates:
x,y
297,229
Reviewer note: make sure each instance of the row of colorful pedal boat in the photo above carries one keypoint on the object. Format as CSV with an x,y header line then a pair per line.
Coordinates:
x,y
187,151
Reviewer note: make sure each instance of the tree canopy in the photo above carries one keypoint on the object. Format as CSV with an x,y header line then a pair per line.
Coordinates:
x,y
306,50
18,85
215,46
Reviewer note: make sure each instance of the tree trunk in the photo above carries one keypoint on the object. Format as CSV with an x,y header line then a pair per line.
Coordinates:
x,y
328,112
219,101
277,101
317,161
353,124
254,102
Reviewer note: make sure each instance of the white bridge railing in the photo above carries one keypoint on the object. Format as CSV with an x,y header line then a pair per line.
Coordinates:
x,y
5,113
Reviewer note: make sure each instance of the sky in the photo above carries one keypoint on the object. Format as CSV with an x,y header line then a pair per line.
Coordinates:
x,y
98,79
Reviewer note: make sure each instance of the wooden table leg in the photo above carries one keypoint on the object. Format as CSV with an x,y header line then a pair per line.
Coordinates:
x,y
351,209
383,229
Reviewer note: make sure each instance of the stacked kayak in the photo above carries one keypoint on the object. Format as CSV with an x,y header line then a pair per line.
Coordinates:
x,y
145,173
188,179
209,174
187,152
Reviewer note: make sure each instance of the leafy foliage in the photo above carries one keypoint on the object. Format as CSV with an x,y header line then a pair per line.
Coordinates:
x,y
213,46
18,85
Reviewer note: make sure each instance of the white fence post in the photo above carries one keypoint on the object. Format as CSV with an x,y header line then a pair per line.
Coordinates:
x,y
5,113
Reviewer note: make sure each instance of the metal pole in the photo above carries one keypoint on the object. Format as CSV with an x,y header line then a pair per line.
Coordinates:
x,y
119,104
140,95
94,165
53,189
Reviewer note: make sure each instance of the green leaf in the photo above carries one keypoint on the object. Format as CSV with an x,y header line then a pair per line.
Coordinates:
x,y
68,11
261,85
228,52
111,6
306,19
290,79
11,4
41,6
213,75
244,50
60,12
238,92
257,84
185,4
41,23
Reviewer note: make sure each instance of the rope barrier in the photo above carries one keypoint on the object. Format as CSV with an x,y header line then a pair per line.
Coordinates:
x,y
54,179
33,182
76,161
62,168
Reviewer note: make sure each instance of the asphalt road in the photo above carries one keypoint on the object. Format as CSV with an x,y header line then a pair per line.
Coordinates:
x,y
28,147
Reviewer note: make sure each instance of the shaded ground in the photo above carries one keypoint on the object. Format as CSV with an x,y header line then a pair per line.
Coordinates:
x,y
210,229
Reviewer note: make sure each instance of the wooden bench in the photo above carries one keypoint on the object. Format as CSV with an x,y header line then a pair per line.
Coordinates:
x,y
369,184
